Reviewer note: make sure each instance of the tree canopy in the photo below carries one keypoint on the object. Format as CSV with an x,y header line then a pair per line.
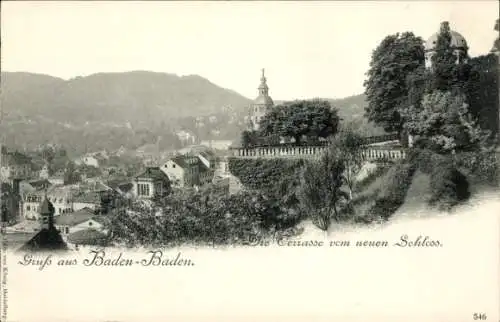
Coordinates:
x,y
483,91
347,147
320,191
301,119
386,87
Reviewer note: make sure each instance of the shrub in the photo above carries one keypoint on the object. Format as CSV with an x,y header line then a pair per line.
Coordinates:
x,y
276,178
393,190
480,167
449,186
320,191
425,159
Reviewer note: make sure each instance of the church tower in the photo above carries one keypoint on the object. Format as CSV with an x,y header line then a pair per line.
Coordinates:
x,y
261,104
47,214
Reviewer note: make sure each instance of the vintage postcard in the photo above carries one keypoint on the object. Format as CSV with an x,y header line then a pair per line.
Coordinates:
x,y
250,161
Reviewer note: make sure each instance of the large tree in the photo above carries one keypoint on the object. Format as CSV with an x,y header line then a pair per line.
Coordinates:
x,y
387,88
320,191
310,119
249,138
482,91
347,147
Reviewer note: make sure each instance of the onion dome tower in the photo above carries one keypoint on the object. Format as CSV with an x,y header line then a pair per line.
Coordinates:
x,y
261,104
457,43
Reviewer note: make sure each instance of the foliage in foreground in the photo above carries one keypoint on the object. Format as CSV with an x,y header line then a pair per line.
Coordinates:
x,y
276,178
202,219
391,196
320,191
449,187
449,184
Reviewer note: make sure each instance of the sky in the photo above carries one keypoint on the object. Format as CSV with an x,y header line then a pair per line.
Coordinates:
x,y
308,49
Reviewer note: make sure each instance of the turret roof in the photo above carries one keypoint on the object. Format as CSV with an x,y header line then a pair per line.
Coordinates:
x,y
457,40
47,207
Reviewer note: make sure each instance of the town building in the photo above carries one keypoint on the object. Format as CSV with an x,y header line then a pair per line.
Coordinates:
x,y
48,238
61,198
217,144
10,201
31,205
194,169
57,179
44,172
152,183
122,186
15,165
261,104
207,165
40,184
87,237
95,159
32,194
82,219
186,137
182,170
87,200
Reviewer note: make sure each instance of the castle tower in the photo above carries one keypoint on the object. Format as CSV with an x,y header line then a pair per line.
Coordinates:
x,y
457,43
261,104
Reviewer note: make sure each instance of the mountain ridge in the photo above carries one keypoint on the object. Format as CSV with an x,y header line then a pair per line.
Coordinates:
x,y
134,107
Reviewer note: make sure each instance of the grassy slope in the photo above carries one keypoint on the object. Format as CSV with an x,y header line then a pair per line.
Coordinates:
x,y
416,198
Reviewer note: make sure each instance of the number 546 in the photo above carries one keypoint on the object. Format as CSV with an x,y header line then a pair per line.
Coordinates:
x,y
479,316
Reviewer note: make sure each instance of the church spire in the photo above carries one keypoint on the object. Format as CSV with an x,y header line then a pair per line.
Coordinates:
x,y
263,88
47,213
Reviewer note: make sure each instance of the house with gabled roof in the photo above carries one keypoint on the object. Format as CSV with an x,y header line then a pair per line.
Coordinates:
x,y
122,186
87,199
151,183
182,170
40,184
89,236
79,220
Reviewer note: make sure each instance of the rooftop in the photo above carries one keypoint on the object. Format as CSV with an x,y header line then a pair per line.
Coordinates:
x,y
74,218
457,40
47,207
88,237
45,239
88,197
122,184
182,160
153,173
40,184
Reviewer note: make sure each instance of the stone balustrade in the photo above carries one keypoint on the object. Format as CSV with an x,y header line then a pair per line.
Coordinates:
x,y
384,154
369,153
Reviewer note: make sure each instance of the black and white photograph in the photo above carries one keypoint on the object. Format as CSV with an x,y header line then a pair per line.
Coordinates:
x,y
250,161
